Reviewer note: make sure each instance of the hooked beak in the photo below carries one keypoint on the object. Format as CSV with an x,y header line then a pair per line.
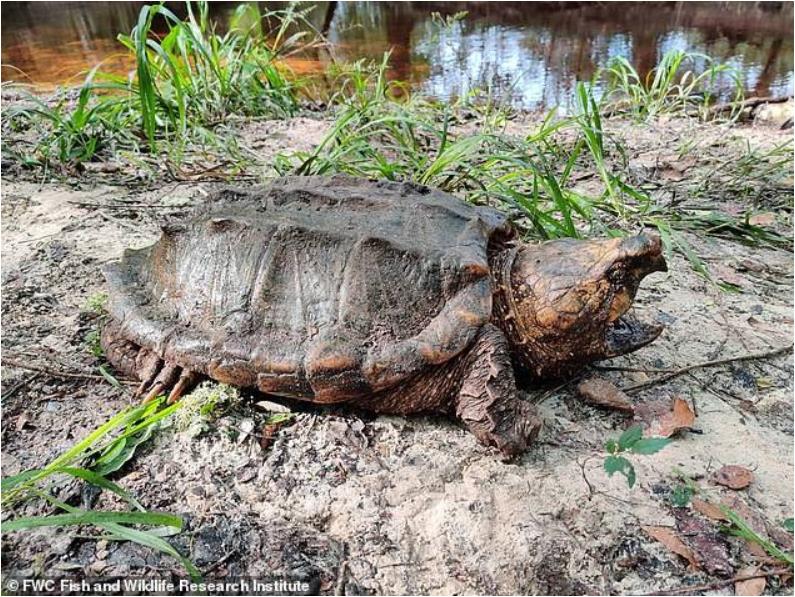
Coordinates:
x,y
626,333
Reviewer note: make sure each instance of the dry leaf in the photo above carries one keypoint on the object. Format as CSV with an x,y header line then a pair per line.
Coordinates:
x,y
676,169
273,407
752,517
733,477
601,392
668,538
763,219
752,586
727,274
663,418
22,420
757,551
707,509
709,546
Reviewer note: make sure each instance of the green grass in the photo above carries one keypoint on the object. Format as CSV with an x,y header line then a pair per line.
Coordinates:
x,y
382,131
674,85
90,460
190,81
185,85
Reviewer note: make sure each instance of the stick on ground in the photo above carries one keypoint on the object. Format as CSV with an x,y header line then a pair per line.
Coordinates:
x,y
715,363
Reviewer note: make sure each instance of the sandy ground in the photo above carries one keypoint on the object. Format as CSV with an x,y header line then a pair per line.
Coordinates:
x,y
360,504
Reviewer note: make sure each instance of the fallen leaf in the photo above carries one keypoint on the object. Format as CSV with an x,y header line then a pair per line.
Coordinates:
x,y
22,420
751,265
757,551
709,510
733,477
269,431
601,392
763,219
244,428
668,538
709,546
727,274
752,586
663,418
676,169
273,407
781,537
754,519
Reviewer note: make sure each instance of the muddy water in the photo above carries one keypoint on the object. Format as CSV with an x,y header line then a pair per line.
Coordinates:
x,y
533,52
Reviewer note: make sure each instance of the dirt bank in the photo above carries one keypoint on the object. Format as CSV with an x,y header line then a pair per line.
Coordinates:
x,y
411,505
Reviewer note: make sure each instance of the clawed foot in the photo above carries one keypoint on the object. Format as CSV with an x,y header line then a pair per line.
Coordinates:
x,y
157,377
166,377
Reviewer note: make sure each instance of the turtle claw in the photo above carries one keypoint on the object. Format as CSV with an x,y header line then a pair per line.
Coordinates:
x,y
149,369
186,381
165,379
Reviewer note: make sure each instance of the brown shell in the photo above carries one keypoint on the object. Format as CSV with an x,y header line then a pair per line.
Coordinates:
x,y
324,288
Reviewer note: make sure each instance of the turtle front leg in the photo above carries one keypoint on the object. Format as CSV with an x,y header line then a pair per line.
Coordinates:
x,y
157,377
487,401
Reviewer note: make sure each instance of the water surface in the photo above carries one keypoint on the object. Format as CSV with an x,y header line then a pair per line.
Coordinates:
x,y
532,52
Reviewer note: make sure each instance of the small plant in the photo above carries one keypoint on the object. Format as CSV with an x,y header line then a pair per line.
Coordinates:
x,y
672,86
739,527
202,405
93,344
96,303
630,442
102,452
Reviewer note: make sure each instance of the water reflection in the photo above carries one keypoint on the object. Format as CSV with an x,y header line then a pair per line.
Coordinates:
x,y
533,52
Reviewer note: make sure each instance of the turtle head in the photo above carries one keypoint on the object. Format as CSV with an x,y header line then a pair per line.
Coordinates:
x,y
568,301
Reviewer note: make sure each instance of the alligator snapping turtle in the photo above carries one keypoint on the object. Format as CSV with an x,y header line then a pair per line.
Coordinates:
x,y
393,297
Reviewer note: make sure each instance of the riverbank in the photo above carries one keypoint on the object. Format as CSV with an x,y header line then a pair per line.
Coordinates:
x,y
355,503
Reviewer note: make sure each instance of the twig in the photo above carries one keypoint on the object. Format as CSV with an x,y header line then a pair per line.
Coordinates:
x,y
119,205
55,373
750,102
680,371
217,564
117,221
19,385
720,583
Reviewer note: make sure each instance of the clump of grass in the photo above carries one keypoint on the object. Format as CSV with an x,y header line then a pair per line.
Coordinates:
x,y
100,453
185,84
196,77
674,85
382,131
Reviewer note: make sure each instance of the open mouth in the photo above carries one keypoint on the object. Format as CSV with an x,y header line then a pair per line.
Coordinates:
x,y
628,333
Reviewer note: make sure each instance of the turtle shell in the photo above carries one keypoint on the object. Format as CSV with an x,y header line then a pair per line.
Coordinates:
x,y
323,288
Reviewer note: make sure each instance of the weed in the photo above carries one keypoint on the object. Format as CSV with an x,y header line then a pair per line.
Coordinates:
x,y
103,451
739,527
671,86
185,84
630,442
201,406
381,131
96,303
93,344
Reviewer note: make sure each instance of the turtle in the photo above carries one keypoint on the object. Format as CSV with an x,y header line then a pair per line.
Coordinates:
x,y
391,297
